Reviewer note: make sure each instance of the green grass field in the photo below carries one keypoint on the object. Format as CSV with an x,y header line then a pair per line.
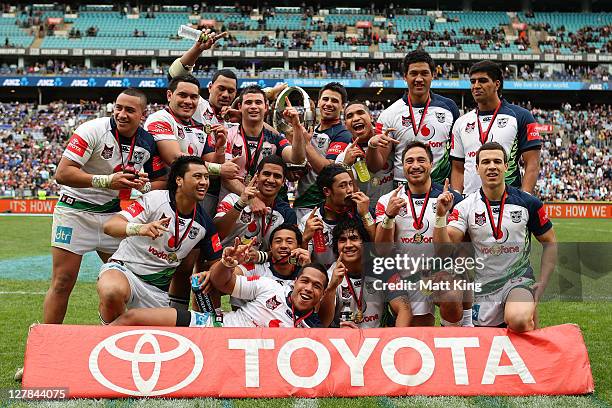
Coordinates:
x,y
22,291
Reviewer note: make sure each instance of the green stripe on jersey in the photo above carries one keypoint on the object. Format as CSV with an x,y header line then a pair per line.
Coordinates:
x,y
109,207
442,168
310,199
160,280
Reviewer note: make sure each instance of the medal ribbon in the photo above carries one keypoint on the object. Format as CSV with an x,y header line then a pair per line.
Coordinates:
x,y
176,227
485,135
191,122
129,158
358,300
418,222
497,231
417,130
251,159
301,319
265,225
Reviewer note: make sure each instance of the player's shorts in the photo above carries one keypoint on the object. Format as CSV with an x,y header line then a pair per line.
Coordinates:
x,y
190,318
488,310
80,232
420,303
141,294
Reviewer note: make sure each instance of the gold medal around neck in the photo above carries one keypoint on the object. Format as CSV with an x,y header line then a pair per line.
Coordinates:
x,y
207,128
358,317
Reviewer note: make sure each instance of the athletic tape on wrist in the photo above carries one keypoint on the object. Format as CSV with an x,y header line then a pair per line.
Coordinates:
x,y
388,222
102,181
440,221
146,188
132,229
214,169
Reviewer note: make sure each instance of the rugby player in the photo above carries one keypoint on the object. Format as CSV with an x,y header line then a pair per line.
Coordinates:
x,y
407,216
235,216
358,121
267,302
329,138
352,289
162,229
418,115
495,119
500,220
341,200
104,160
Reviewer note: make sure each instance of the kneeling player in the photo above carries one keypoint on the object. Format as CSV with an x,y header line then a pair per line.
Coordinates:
x,y
162,228
500,220
268,303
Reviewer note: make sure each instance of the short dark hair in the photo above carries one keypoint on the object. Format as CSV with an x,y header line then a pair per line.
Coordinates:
x,y
327,174
418,56
491,146
228,73
316,266
178,169
289,227
272,159
356,102
252,89
417,143
347,224
137,93
183,78
336,87
492,69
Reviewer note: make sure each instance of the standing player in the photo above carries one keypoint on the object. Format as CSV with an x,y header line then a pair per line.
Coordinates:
x,y
330,138
236,218
495,120
358,121
500,220
267,302
164,229
359,303
407,216
103,161
341,201
418,115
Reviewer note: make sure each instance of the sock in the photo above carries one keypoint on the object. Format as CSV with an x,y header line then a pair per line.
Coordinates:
x,y
467,318
446,323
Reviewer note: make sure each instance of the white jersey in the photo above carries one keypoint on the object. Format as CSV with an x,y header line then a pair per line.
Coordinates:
x,y
155,260
193,137
263,270
505,258
435,130
95,146
249,226
380,183
267,304
513,127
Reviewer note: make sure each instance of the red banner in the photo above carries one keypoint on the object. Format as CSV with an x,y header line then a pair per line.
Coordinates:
x,y
31,206
578,210
109,362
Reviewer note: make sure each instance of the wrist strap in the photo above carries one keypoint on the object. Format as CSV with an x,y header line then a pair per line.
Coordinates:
x,y
368,220
214,169
102,181
146,188
132,229
240,205
440,221
388,222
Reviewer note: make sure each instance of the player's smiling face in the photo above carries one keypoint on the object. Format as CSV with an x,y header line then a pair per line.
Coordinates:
x,y
308,289
483,87
417,166
491,167
253,107
128,113
194,183
330,105
350,245
270,180
358,121
418,78
184,100
222,92
283,243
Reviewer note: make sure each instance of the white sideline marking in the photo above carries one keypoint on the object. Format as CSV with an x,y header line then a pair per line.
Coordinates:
x,y
22,293
306,403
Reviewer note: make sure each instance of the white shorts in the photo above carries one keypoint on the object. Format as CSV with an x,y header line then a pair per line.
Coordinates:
x,y
488,310
80,232
420,303
141,294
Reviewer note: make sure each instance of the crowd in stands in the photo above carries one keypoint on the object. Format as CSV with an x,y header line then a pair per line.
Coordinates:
x,y
576,162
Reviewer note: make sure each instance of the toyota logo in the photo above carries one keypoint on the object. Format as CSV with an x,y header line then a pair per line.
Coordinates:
x,y
146,387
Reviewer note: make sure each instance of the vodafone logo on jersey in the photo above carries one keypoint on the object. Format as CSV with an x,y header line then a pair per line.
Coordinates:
x,y
114,362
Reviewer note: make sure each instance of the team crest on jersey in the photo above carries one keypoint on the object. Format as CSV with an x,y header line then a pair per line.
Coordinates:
x,y
321,141
516,216
469,128
236,151
441,116
181,133
502,122
107,152
202,137
246,217
272,303
139,156
208,115
346,293
403,211
266,151
193,232
480,219
406,121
